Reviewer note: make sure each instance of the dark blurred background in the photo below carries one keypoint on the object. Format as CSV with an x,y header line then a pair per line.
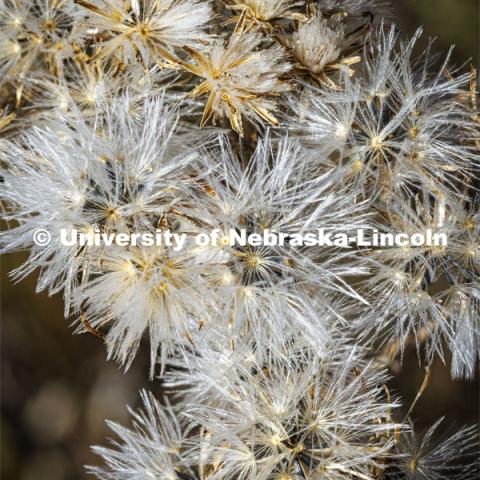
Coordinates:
x,y
451,22
57,389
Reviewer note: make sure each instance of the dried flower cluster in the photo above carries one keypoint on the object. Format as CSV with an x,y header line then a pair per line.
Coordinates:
x,y
195,116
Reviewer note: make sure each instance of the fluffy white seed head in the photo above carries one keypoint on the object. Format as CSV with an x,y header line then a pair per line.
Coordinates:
x,y
318,43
